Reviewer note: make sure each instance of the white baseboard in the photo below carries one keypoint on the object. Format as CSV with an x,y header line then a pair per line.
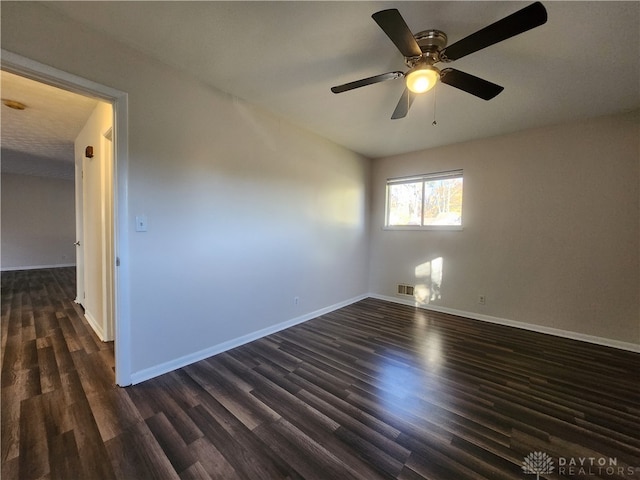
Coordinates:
x,y
157,370
36,267
94,324
148,373
607,342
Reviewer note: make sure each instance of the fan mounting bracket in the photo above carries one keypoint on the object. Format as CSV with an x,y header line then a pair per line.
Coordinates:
x,y
427,39
430,43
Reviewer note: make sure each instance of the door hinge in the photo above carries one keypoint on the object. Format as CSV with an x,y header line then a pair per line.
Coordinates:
x,y
117,261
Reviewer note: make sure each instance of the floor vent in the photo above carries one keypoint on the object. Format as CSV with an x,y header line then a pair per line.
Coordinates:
x,y
405,289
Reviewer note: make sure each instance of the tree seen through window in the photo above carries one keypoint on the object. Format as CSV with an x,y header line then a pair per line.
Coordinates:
x,y
430,200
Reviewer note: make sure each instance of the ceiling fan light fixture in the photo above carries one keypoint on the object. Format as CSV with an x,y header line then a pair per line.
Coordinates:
x,y
422,78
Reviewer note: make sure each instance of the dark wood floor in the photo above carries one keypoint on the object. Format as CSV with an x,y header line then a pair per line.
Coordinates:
x,y
374,390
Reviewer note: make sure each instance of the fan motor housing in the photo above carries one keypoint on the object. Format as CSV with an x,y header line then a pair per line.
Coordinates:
x,y
427,39
430,42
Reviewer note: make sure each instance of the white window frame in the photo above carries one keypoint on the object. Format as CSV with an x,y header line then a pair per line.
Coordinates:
x,y
424,179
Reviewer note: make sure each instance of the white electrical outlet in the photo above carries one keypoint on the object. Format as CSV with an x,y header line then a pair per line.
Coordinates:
x,y
296,300
482,299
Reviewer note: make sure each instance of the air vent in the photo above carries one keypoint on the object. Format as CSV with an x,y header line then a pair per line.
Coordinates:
x,y
404,289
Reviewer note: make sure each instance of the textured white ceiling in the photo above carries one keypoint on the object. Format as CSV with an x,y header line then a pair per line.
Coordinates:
x,y
39,139
285,56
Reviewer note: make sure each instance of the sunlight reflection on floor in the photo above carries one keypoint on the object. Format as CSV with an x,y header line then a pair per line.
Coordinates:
x,y
407,386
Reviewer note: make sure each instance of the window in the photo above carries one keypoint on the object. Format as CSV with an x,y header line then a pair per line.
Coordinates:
x,y
425,201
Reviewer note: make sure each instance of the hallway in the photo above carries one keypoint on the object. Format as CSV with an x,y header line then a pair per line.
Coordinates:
x,y
55,371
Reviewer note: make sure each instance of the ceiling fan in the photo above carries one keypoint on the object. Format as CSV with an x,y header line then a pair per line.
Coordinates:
x,y
424,49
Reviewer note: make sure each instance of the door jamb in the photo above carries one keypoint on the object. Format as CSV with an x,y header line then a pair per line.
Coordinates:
x,y
26,67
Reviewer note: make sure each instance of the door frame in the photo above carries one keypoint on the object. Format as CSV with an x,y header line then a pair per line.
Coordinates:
x,y
28,68
108,253
79,197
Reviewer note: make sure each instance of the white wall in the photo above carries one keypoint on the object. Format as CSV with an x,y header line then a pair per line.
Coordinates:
x,y
38,222
551,228
245,211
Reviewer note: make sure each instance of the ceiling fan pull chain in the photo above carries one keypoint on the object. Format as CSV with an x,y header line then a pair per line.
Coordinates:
x,y
435,91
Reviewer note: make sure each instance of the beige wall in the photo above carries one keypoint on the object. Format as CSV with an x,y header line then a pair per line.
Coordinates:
x,y
551,228
38,222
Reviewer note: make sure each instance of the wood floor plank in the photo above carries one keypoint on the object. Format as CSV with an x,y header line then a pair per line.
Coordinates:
x,y
92,451
11,469
303,464
373,390
185,427
29,355
114,412
240,449
65,457
49,373
368,451
233,398
212,462
62,354
319,398
171,443
135,453
34,450
9,424
352,425
308,458
95,375
58,416
318,432
195,472
10,360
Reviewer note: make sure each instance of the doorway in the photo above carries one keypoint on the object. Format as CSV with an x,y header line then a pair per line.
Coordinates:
x,y
95,258
112,196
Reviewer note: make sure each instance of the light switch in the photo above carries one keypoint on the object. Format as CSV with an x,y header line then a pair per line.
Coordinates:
x,y
141,223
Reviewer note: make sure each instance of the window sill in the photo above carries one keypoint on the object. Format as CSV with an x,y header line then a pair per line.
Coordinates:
x,y
447,228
